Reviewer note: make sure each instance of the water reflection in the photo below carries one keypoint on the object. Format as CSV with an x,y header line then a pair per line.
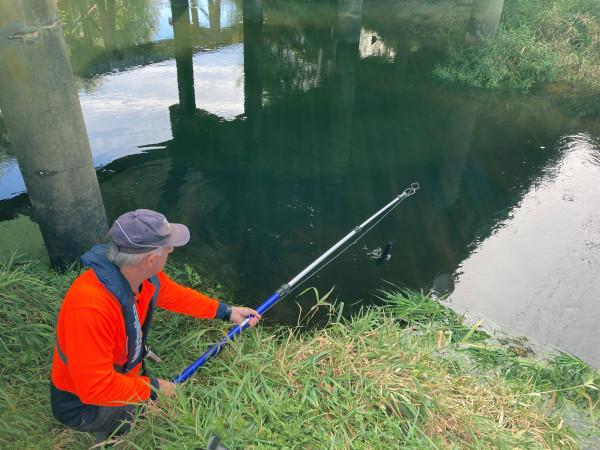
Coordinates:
x,y
274,133
183,54
98,29
537,274
104,36
11,181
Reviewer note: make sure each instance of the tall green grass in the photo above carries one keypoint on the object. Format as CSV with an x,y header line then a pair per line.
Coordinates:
x,y
29,300
407,374
538,41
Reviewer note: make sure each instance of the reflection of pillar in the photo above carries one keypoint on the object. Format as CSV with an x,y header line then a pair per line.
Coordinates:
x,y
253,65
183,55
253,11
402,49
86,22
452,159
214,15
346,60
108,18
485,17
194,10
40,105
349,20
183,123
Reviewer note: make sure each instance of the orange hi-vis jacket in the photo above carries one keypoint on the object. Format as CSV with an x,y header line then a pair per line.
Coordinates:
x,y
91,333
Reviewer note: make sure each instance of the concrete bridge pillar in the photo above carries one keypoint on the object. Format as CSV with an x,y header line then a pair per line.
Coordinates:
x,y
40,105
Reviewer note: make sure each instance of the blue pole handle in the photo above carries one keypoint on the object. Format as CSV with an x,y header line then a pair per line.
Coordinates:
x,y
215,349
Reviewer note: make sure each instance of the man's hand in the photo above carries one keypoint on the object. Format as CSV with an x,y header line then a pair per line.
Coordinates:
x,y
166,387
239,314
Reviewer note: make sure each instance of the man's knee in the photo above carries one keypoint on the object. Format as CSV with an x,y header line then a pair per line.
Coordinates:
x,y
110,419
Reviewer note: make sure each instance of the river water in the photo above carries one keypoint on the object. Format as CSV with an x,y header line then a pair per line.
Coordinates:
x,y
273,142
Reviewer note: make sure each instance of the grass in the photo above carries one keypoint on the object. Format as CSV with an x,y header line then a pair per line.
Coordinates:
x,y
538,41
408,374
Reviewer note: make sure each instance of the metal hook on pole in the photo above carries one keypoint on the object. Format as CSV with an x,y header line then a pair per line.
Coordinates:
x,y
285,288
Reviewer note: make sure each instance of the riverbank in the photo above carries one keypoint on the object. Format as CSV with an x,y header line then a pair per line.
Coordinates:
x,y
409,374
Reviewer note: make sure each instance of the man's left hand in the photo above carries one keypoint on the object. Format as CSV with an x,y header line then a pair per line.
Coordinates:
x,y
239,314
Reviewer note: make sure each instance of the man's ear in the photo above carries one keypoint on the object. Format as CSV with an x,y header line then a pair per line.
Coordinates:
x,y
149,260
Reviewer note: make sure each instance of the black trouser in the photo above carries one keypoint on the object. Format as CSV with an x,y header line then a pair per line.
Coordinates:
x,y
109,419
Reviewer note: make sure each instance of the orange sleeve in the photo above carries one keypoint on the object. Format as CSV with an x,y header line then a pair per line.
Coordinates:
x,y
89,341
183,300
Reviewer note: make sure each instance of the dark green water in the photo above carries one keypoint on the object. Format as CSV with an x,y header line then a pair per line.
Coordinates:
x,y
273,141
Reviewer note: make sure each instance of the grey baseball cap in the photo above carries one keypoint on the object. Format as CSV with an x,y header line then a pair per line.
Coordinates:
x,y
144,230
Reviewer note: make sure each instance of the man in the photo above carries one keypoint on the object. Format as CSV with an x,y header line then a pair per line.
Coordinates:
x,y
103,322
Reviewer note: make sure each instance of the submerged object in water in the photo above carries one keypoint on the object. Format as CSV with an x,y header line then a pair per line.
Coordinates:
x,y
385,255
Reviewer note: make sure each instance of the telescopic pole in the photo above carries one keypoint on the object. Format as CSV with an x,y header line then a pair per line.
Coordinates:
x,y
285,288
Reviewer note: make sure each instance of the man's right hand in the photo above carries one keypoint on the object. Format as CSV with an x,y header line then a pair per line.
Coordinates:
x,y
166,387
